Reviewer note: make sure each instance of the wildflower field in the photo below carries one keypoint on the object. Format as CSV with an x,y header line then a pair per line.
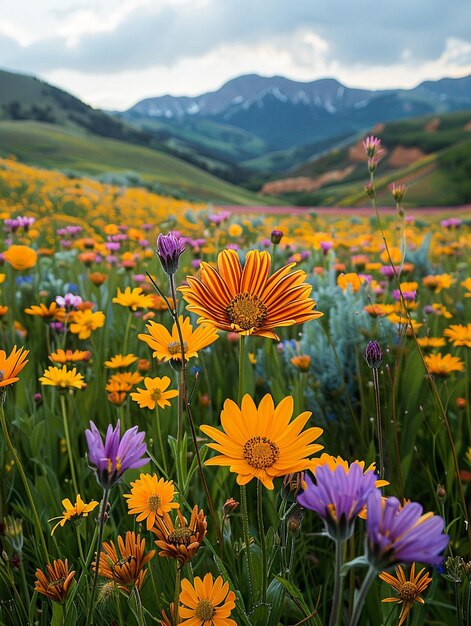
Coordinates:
x,y
216,419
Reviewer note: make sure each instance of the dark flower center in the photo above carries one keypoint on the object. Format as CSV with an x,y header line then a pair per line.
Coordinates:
x,y
246,312
154,502
261,452
180,536
204,610
175,347
408,591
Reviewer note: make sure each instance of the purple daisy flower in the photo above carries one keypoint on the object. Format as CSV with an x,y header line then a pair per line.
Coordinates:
x,y
113,457
338,496
402,534
169,249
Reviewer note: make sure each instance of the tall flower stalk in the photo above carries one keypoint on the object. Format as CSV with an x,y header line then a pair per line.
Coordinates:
x,y
373,150
169,250
111,458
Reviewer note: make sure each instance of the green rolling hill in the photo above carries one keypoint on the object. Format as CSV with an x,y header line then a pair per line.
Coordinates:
x,y
72,148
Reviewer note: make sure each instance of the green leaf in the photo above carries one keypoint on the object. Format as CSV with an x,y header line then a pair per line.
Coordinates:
x,y
276,597
360,561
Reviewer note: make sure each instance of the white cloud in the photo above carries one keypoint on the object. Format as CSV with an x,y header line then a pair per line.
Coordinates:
x,y
114,52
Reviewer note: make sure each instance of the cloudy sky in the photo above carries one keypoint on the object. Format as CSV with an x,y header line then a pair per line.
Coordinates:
x,y
112,53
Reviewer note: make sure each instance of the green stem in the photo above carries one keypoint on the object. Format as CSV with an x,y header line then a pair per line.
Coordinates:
x,y
243,490
67,439
21,470
158,427
180,409
80,549
101,525
246,535
361,597
88,560
126,334
337,599
241,368
379,427
139,613
176,600
186,403
261,538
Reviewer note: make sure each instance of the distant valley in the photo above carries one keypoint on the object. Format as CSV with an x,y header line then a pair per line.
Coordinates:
x,y
255,140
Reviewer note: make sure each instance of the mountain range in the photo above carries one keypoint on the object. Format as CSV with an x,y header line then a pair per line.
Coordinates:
x,y
251,117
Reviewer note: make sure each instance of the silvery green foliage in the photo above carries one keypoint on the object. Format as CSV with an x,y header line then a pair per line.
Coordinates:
x,y
349,328
419,257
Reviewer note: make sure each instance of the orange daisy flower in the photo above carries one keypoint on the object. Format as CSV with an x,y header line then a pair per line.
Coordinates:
x,y
56,582
247,300
207,602
409,590
183,540
154,393
120,360
127,568
262,442
12,365
150,498
53,311
21,257
69,356
443,365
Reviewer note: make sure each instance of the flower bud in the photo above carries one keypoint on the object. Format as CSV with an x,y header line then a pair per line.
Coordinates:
x,y
370,190
373,355
169,250
276,236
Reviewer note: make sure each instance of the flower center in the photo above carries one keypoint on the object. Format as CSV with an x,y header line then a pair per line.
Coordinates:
x,y
204,610
260,452
154,502
408,591
56,583
246,312
174,347
156,395
180,536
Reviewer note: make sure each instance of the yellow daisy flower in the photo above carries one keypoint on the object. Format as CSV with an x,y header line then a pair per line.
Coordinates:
x,y
62,378
84,322
133,299
77,510
167,346
150,497
262,442
459,334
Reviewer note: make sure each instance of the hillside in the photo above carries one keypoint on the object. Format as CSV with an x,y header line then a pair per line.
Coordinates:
x,y
71,148
430,154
